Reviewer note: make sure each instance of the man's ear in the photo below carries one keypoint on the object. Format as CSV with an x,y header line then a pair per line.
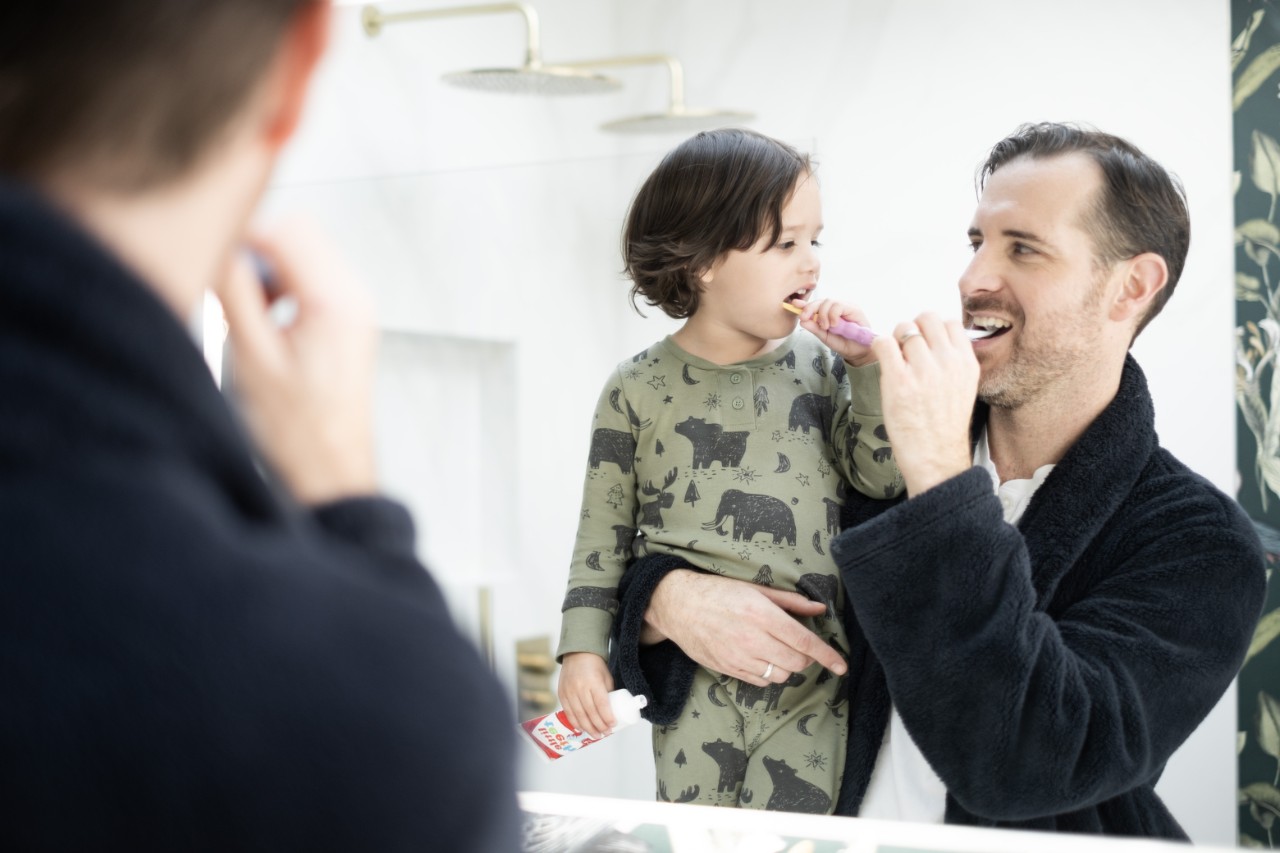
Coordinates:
x,y
1144,276
302,45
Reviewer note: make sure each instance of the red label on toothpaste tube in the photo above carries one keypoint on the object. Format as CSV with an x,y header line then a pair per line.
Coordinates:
x,y
555,736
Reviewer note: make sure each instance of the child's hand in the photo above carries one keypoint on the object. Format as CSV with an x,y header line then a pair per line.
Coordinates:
x,y
585,683
818,317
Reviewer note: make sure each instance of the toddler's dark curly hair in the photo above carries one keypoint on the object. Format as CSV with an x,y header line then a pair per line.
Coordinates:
x,y
717,191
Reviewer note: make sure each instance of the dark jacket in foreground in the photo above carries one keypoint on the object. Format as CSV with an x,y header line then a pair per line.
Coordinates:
x,y
186,661
1047,672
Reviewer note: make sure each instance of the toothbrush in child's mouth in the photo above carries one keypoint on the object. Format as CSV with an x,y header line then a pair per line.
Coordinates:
x,y
863,335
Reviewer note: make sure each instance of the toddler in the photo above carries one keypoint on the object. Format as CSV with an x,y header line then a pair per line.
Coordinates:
x,y
730,443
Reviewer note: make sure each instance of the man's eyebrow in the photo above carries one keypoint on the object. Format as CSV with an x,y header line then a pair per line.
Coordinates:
x,y
1016,234
1025,235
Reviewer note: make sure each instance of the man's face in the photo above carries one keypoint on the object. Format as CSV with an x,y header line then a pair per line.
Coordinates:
x,y
1033,275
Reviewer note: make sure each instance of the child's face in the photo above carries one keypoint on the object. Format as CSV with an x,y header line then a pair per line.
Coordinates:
x,y
744,290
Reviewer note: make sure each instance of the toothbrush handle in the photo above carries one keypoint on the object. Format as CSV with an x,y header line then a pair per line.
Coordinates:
x,y
864,336
858,334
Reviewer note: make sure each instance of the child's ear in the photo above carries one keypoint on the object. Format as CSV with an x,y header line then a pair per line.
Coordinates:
x,y
706,275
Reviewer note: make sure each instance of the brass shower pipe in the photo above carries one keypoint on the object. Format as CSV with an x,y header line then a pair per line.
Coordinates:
x,y
532,78
675,71
374,19
678,117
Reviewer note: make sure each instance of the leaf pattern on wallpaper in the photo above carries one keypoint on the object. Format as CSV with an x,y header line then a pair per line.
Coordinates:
x,y
1264,805
1255,74
1255,185
1269,728
1261,241
1262,232
1268,629
1257,345
1248,288
1265,167
1240,46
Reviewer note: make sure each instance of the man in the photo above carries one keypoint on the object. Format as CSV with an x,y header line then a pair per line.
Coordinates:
x,y
190,658
1059,602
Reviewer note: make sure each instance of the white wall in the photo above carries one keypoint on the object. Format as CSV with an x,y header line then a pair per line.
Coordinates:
x,y
496,218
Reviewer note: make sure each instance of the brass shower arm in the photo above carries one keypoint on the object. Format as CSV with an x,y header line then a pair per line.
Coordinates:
x,y
374,20
675,71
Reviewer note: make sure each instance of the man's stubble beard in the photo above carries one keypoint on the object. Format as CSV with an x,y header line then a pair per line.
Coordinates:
x,y
1031,369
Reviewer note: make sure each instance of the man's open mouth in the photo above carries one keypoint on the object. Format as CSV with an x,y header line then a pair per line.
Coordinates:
x,y
994,326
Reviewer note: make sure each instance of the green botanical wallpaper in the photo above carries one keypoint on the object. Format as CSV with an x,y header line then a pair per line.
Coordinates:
x,y
1255,60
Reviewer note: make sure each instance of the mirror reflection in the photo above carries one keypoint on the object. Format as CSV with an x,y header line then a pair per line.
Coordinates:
x,y
490,226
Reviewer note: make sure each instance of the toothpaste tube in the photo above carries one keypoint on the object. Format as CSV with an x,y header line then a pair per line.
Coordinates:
x,y
555,738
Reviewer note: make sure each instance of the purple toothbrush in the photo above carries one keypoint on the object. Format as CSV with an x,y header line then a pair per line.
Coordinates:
x,y
863,335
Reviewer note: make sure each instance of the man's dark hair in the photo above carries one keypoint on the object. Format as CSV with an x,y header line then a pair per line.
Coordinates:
x,y
127,94
1141,208
719,190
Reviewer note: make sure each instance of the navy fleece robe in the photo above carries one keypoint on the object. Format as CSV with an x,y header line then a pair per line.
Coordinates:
x,y
1048,671
187,661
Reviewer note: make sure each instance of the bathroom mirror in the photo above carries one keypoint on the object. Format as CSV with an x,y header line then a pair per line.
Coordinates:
x,y
488,226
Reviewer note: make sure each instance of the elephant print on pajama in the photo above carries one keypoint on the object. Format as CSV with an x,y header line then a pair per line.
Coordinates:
x,y
752,514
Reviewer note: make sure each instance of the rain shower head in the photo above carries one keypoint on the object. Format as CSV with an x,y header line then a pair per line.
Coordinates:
x,y
678,118
531,78
673,121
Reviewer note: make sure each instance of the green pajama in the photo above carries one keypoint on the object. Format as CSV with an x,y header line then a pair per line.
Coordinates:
x,y
779,747
741,470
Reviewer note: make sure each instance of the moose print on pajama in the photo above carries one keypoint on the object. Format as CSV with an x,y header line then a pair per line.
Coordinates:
x,y
741,470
